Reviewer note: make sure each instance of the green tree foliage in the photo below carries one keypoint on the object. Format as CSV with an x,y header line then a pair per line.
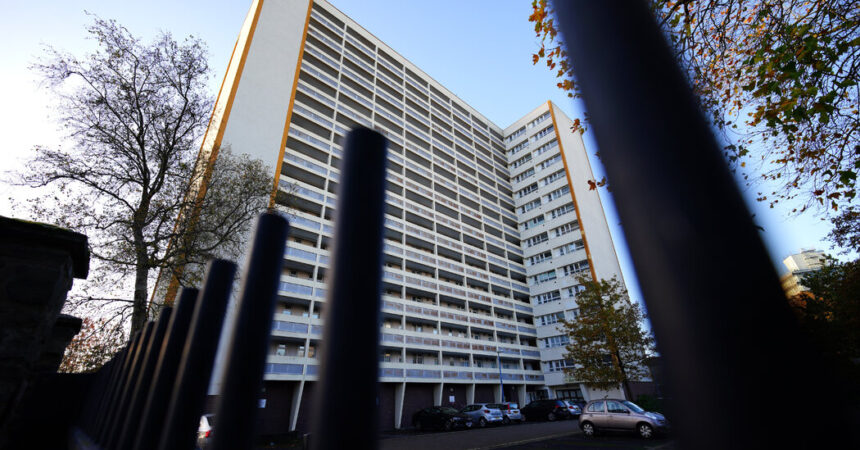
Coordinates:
x,y
846,230
134,113
608,345
829,313
779,80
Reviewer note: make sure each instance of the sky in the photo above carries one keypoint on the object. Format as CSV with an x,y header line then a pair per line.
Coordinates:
x,y
480,50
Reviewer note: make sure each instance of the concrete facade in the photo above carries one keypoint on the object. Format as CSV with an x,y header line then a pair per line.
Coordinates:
x,y
466,287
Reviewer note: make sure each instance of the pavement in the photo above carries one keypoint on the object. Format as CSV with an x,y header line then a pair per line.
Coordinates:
x,y
531,435
615,441
484,439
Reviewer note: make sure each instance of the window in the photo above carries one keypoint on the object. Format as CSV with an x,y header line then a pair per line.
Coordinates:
x,y
530,205
545,148
515,135
615,407
575,268
540,119
569,248
564,190
523,175
532,223
519,147
566,228
596,407
539,258
282,350
546,297
556,341
521,161
542,277
560,211
535,240
550,178
548,319
527,190
549,162
558,366
543,132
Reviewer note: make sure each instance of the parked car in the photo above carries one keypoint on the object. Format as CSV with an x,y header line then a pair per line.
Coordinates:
x,y
574,409
510,411
483,414
204,431
440,418
545,410
620,415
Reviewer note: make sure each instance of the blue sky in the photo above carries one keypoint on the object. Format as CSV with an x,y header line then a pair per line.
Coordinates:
x,y
480,50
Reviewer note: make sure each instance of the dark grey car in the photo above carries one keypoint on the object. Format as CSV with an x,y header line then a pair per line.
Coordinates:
x,y
620,415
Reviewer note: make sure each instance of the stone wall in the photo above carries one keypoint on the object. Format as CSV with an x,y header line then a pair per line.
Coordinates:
x,y
37,266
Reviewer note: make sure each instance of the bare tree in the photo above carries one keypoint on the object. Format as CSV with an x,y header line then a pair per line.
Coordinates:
x,y
134,113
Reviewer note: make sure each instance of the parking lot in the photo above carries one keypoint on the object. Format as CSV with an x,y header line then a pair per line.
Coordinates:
x,y
610,441
490,437
529,435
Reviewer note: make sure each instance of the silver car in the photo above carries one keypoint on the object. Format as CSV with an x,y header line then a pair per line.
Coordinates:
x,y
620,415
510,411
204,432
483,414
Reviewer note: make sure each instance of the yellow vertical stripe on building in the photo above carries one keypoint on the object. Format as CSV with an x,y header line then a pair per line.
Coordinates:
x,y
283,147
221,125
572,192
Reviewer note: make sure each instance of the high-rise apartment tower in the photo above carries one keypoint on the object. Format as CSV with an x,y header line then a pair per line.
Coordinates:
x,y
486,228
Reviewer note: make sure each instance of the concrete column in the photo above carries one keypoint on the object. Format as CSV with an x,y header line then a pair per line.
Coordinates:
x,y
399,393
470,394
497,393
521,395
296,404
438,390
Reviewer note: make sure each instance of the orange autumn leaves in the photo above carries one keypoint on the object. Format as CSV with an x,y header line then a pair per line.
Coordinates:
x,y
777,79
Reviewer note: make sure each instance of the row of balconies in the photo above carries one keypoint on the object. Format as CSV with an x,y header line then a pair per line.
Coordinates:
x,y
381,59
294,371
366,100
304,112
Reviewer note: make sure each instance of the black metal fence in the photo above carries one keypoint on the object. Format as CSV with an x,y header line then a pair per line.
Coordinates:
x,y
734,358
151,394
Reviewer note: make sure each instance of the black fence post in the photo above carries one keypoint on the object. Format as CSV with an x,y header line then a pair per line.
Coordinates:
x,y
689,231
121,400
246,356
129,418
350,355
164,378
120,384
192,381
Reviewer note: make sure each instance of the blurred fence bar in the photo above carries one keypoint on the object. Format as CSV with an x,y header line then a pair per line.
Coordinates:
x,y
246,356
724,349
198,356
151,394
350,357
155,409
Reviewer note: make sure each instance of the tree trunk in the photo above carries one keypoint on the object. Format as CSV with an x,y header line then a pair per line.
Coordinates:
x,y
141,270
138,314
625,383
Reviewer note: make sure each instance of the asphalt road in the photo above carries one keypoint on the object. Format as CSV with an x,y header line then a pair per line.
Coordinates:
x,y
487,438
616,441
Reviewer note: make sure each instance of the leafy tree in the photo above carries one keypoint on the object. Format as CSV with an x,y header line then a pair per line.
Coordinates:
x,y
93,346
829,313
779,80
846,230
607,342
134,113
